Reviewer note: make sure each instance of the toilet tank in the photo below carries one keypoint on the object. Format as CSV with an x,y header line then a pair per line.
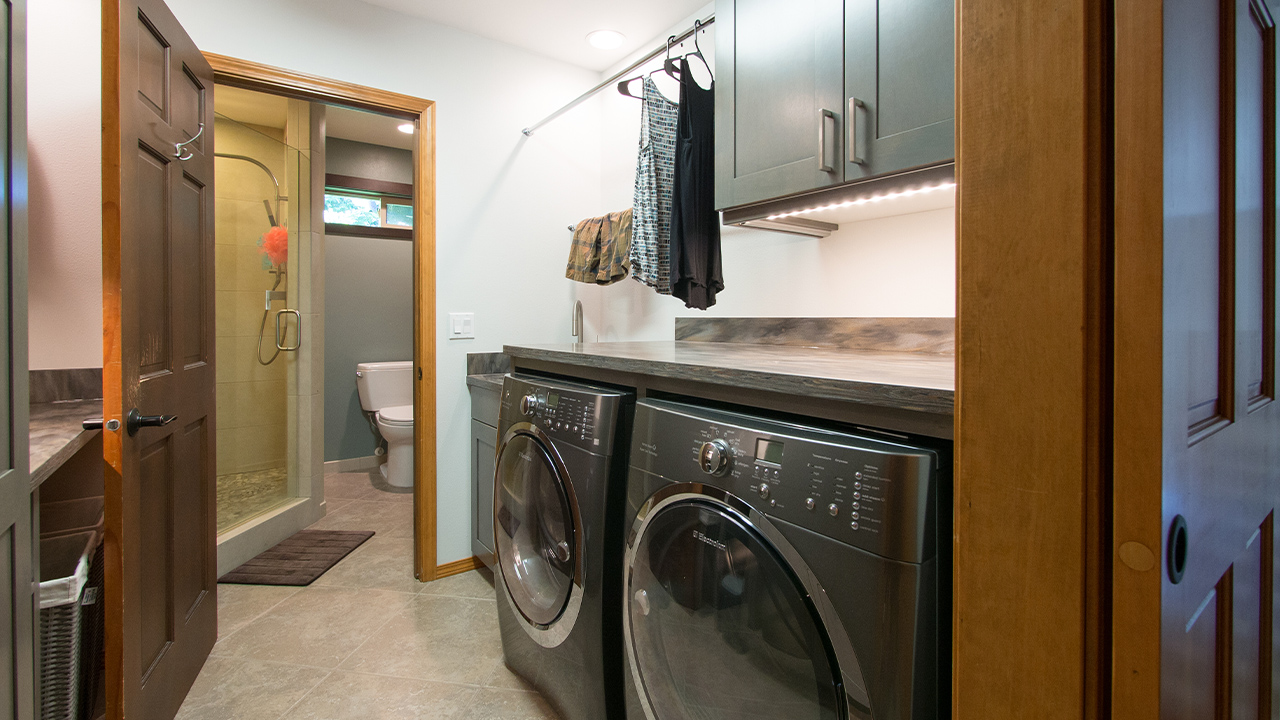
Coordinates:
x,y
384,384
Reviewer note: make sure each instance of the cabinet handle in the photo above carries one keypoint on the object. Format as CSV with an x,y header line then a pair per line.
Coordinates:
x,y
852,144
823,114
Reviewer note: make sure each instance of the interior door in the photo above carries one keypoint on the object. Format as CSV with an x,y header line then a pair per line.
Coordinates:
x,y
1197,475
157,196
17,606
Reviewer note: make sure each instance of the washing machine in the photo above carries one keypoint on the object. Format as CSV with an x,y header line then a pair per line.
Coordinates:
x,y
559,500
780,571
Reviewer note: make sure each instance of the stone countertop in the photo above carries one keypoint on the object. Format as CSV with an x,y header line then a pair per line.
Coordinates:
x,y
56,434
902,380
490,380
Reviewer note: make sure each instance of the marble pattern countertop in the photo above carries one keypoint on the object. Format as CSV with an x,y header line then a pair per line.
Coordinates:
x,y
56,434
903,380
492,380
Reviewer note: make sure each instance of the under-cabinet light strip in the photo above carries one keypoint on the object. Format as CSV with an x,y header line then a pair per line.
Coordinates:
x,y
864,200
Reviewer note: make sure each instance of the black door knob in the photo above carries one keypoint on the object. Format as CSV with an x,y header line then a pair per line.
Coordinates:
x,y
135,421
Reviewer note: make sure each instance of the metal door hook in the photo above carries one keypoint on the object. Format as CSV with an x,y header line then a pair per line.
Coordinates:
x,y
179,147
282,332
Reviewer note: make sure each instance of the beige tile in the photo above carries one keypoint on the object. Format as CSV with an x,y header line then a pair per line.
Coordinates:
x,y
385,563
353,696
473,584
253,448
318,626
352,486
501,676
239,605
500,704
234,689
434,638
385,518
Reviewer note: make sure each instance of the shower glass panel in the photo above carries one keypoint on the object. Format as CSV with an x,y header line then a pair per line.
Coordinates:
x,y
261,229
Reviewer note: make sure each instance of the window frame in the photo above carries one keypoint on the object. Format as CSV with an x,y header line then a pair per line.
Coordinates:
x,y
383,191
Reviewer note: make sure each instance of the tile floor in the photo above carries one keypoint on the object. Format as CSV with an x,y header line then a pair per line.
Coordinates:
x,y
366,640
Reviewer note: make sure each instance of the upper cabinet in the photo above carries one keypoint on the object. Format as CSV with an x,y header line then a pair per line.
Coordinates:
x,y
816,93
779,84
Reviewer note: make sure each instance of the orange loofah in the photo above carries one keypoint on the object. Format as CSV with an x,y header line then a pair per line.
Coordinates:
x,y
275,245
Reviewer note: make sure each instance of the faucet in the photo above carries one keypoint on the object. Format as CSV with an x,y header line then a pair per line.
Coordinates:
x,y
576,329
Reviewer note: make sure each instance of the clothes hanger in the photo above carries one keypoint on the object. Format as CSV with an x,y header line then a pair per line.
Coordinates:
x,y
624,86
670,66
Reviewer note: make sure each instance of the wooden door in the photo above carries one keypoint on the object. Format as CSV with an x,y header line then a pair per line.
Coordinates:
x,y
1197,429
17,567
899,85
157,198
779,75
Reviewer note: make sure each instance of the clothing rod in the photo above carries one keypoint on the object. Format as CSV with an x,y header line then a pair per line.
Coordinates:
x,y
662,49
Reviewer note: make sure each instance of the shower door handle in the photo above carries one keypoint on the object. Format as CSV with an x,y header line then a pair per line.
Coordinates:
x,y
282,332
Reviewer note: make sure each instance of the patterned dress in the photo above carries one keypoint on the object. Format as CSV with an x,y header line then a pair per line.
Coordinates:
x,y
655,178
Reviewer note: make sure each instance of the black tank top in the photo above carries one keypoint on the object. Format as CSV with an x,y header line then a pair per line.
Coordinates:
x,y
695,225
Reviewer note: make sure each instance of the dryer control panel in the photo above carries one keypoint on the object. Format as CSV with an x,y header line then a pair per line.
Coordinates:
x,y
867,492
580,415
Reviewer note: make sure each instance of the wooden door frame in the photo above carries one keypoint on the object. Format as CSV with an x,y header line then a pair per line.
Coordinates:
x,y
304,86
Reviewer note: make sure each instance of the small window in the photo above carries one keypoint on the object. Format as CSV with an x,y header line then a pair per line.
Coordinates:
x,y
352,210
399,215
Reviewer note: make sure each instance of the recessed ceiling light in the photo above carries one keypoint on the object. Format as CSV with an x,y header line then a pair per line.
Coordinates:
x,y
605,39
406,128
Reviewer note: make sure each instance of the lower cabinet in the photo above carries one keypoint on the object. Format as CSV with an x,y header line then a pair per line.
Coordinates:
x,y
484,448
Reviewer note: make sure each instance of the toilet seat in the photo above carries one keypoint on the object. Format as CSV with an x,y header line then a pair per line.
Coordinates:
x,y
396,415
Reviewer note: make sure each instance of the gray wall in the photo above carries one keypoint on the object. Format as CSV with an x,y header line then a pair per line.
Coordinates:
x,y
373,162
368,301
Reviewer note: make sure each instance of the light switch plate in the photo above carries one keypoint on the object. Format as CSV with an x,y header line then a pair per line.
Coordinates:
x,y
462,326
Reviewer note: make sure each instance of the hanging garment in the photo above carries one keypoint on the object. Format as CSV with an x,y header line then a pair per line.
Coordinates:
x,y
655,175
600,250
696,276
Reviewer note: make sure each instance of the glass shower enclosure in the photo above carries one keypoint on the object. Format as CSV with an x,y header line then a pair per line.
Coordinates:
x,y
269,331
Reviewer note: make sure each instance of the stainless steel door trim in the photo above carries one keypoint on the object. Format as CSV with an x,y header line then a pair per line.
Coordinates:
x,y
850,669
554,634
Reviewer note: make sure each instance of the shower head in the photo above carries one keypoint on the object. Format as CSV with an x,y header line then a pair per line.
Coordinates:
x,y
270,215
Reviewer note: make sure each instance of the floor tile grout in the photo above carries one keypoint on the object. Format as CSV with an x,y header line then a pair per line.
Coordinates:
x,y
259,616
304,695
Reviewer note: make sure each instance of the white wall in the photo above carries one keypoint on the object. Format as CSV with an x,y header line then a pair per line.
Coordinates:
x,y
64,128
503,200
900,266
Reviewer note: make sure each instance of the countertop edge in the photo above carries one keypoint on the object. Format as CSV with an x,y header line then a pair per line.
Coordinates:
x,y
934,401
59,458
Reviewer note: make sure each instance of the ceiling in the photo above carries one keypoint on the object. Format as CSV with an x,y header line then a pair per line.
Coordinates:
x,y
557,28
366,127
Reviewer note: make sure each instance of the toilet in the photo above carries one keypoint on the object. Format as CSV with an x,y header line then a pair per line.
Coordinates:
x,y
386,389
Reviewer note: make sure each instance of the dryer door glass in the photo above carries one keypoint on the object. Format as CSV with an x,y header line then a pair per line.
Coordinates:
x,y
720,627
534,531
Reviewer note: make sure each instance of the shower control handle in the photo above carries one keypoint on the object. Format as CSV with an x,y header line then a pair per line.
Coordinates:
x,y
135,421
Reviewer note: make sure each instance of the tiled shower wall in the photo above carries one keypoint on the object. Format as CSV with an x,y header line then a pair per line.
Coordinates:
x,y
252,410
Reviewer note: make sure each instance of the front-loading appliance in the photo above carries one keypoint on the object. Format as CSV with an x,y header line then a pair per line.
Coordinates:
x,y
779,571
559,498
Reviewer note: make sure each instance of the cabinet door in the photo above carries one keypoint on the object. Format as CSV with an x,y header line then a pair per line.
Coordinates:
x,y
900,80
484,446
778,98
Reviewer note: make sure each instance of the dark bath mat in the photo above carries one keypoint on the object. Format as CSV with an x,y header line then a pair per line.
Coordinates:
x,y
298,559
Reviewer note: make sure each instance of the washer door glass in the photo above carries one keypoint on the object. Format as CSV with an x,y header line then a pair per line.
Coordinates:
x,y
720,627
534,530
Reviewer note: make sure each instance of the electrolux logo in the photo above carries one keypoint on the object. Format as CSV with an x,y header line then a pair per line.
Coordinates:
x,y
712,542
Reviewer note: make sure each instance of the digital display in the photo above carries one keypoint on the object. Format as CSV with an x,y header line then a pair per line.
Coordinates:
x,y
552,400
769,451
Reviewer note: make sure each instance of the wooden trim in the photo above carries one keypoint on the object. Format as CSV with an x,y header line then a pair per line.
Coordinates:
x,y
1031,442
277,81
1138,312
382,187
389,233
457,567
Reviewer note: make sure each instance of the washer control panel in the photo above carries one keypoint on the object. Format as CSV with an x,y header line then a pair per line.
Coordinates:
x,y
867,492
582,416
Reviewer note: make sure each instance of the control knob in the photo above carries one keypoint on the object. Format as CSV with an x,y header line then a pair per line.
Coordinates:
x,y
714,456
529,404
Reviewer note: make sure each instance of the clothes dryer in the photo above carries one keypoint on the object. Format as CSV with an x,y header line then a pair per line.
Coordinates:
x,y
559,499
777,571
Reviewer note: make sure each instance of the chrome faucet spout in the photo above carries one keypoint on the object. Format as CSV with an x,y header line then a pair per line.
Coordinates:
x,y
577,321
